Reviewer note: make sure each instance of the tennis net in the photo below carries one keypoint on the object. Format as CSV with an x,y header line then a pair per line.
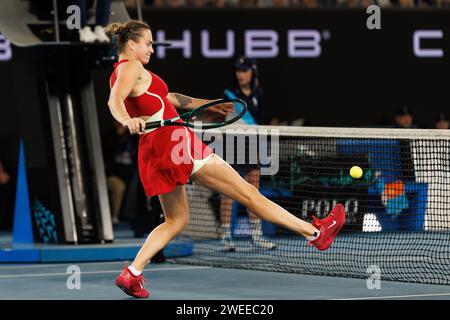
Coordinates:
x,y
397,214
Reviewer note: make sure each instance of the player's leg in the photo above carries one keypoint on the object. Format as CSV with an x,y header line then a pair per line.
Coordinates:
x,y
176,215
176,218
216,174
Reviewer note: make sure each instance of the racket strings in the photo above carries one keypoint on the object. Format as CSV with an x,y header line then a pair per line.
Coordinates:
x,y
206,116
211,116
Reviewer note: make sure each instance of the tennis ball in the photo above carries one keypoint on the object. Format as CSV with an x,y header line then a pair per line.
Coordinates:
x,y
356,172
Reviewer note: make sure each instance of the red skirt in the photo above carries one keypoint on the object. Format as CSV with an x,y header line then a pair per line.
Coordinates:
x,y
165,158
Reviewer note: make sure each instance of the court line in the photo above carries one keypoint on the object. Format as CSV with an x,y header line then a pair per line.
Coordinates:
x,y
95,272
19,266
404,296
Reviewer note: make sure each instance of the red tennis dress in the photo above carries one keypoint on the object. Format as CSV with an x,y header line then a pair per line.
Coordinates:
x,y
166,155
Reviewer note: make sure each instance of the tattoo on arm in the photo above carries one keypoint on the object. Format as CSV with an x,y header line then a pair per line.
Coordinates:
x,y
183,100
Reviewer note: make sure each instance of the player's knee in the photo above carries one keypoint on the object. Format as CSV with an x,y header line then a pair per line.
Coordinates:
x,y
184,224
179,223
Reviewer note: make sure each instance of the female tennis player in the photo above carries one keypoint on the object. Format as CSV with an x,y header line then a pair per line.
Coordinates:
x,y
138,96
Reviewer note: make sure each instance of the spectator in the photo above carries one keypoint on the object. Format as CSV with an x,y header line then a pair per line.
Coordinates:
x,y
348,3
307,3
101,20
280,3
198,3
406,3
120,164
290,3
143,3
224,3
442,122
425,3
4,176
245,86
132,3
404,118
4,195
383,3
175,3
247,3
274,121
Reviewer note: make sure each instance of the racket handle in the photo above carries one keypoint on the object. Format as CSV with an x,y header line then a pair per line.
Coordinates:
x,y
154,124
162,123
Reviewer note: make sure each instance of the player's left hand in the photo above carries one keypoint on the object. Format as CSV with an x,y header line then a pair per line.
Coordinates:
x,y
223,108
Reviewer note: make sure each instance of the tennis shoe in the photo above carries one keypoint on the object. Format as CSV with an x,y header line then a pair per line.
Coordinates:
x,y
132,285
86,35
328,227
100,34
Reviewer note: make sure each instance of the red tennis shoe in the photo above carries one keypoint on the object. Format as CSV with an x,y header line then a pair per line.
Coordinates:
x,y
328,227
132,285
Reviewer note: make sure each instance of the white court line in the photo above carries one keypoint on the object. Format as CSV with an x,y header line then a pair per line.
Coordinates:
x,y
396,297
96,272
38,265
58,264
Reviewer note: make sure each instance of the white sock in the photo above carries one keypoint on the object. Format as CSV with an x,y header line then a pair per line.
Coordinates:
x,y
134,272
225,230
315,236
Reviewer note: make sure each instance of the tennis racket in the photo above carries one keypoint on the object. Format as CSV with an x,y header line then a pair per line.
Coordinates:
x,y
214,114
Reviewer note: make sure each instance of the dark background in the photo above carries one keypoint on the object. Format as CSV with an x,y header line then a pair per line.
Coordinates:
x,y
361,77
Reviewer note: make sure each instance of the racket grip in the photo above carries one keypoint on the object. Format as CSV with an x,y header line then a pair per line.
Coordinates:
x,y
154,124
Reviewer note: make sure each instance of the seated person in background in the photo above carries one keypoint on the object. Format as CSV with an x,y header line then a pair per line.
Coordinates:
x,y
404,119
120,163
101,20
5,205
4,176
442,122
274,121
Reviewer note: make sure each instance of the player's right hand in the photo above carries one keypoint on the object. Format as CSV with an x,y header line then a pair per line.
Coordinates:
x,y
135,125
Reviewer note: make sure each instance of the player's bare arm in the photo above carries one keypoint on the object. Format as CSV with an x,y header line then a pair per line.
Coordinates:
x,y
181,101
127,77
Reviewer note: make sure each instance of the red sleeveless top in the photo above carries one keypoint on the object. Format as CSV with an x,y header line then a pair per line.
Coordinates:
x,y
166,155
150,101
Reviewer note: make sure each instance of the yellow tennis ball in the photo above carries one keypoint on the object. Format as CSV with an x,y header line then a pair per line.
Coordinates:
x,y
356,172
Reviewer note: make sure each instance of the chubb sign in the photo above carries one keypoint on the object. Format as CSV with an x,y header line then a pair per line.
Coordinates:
x,y
265,43
5,48
261,43
428,51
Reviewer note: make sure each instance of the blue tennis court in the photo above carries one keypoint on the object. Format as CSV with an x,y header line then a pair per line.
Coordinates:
x,y
182,282
286,101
